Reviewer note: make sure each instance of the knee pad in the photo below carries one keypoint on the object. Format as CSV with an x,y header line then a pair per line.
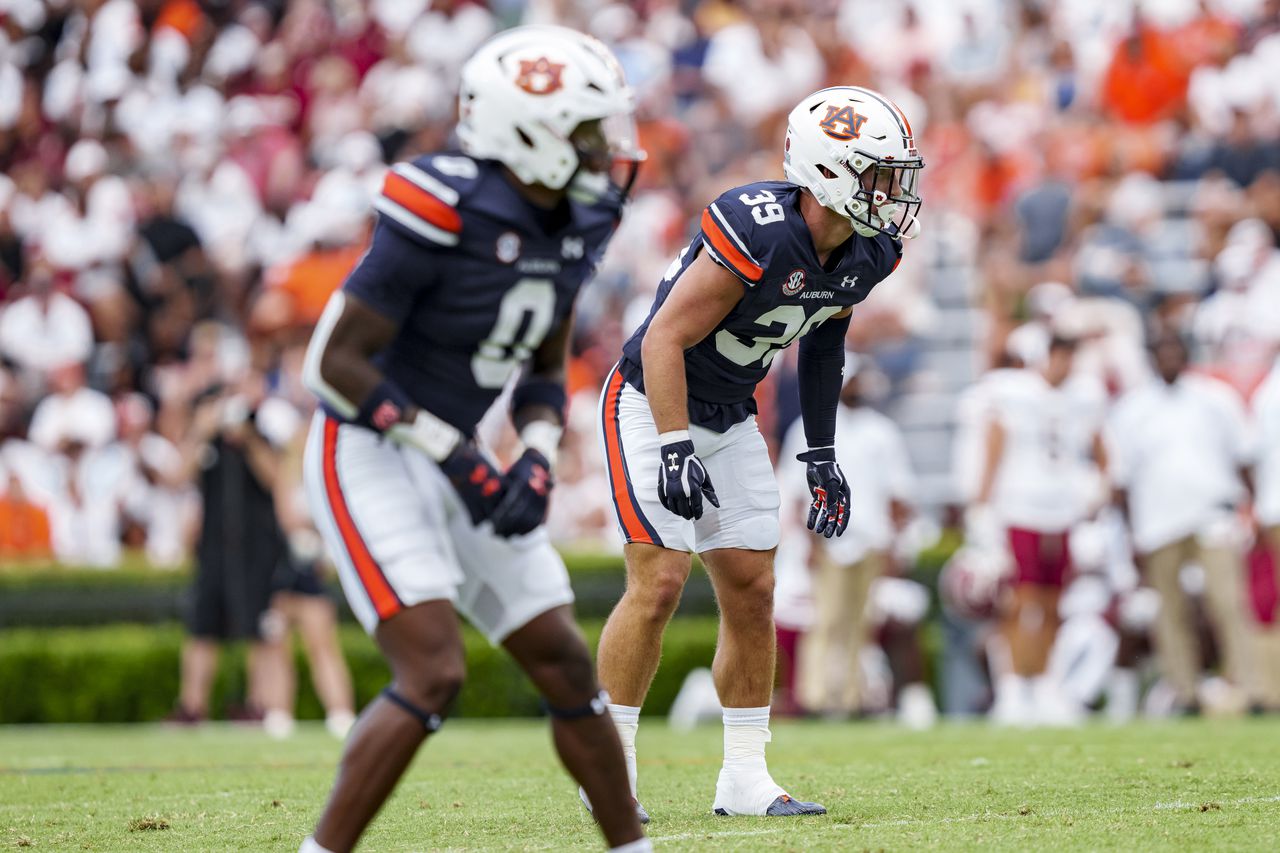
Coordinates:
x,y
430,720
598,705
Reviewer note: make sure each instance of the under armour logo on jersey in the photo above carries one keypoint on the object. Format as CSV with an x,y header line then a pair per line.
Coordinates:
x,y
849,281
675,461
572,248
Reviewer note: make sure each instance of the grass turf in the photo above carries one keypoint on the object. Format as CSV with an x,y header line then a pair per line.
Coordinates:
x,y
495,785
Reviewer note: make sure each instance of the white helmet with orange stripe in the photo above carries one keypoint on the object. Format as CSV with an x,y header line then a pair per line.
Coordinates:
x,y
853,149
527,90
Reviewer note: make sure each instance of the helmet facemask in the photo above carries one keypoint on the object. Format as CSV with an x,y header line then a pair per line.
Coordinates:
x,y
609,157
885,200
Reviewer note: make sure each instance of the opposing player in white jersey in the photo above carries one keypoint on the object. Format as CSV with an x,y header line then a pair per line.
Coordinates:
x,y
475,264
774,261
1041,464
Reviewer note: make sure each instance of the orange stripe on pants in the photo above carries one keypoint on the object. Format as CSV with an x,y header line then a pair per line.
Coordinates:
x,y
631,523
384,598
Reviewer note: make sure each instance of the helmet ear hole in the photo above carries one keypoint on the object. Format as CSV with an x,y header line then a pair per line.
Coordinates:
x,y
524,137
825,172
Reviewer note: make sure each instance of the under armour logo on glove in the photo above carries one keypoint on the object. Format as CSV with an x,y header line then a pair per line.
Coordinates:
x,y
524,502
683,481
829,511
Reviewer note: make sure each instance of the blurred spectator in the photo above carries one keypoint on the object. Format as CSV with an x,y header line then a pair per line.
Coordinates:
x,y
239,546
158,498
1183,450
1041,463
44,328
24,526
1147,77
871,450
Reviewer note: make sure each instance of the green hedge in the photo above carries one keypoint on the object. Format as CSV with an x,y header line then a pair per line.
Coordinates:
x,y
129,673
56,596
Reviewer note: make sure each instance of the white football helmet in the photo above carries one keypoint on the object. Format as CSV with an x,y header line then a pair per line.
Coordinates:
x,y
527,89
853,149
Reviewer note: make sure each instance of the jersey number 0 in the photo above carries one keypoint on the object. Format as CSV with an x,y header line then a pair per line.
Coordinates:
x,y
501,353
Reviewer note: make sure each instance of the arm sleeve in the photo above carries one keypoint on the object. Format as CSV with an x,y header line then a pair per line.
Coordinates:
x,y
392,274
821,373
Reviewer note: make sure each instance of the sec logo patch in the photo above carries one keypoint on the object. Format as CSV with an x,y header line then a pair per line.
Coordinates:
x,y
794,283
508,248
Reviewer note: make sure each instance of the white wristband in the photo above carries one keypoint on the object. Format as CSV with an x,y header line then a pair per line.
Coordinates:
x,y
673,436
544,437
429,434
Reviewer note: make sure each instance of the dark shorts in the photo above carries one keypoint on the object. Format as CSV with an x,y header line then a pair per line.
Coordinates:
x,y
1041,559
298,577
228,601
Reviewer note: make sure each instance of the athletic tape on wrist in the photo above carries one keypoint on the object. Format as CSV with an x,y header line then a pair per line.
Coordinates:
x,y
544,437
673,436
429,434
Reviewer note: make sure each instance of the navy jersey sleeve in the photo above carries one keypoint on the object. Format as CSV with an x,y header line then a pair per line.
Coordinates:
x,y
393,273
420,199
735,230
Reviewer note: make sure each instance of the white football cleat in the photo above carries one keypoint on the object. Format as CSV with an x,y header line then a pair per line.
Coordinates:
x,y
757,795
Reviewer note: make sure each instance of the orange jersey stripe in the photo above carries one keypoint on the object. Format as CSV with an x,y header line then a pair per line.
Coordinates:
x,y
727,249
385,600
420,202
631,523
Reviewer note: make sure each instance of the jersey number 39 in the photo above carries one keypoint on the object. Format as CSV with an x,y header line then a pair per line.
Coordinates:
x,y
762,349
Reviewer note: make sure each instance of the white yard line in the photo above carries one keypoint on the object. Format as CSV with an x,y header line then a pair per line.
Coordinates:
x,y
1243,801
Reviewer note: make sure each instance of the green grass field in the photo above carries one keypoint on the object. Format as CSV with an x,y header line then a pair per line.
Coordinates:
x,y
495,786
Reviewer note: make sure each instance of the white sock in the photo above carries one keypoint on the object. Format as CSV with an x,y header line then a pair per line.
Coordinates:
x,y
309,845
627,720
746,731
640,845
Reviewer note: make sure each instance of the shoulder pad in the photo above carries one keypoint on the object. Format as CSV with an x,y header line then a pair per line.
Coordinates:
x,y
736,227
422,197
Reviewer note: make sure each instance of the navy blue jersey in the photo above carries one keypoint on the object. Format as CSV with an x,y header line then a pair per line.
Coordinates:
x,y
757,233
475,276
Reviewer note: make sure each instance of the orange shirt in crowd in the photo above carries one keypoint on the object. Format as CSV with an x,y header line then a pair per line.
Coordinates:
x,y
24,530
311,279
184,16
1147,78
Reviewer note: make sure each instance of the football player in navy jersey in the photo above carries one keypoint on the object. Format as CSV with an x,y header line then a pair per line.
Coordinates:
x,y
470,281
690,473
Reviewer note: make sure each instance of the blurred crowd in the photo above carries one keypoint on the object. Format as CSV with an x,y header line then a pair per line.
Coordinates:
x,y
185,182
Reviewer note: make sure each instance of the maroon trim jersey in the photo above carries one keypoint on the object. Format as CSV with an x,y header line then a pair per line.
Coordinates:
x,y
475,275
757,233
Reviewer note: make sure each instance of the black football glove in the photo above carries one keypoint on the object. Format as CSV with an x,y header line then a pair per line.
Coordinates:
x,y
829,512
683,480
524,501
474,478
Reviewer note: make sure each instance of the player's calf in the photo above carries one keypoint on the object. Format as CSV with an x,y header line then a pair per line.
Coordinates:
x,y
552,651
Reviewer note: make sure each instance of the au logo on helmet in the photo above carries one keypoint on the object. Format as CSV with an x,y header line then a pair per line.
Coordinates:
x,y
540,76
842,123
